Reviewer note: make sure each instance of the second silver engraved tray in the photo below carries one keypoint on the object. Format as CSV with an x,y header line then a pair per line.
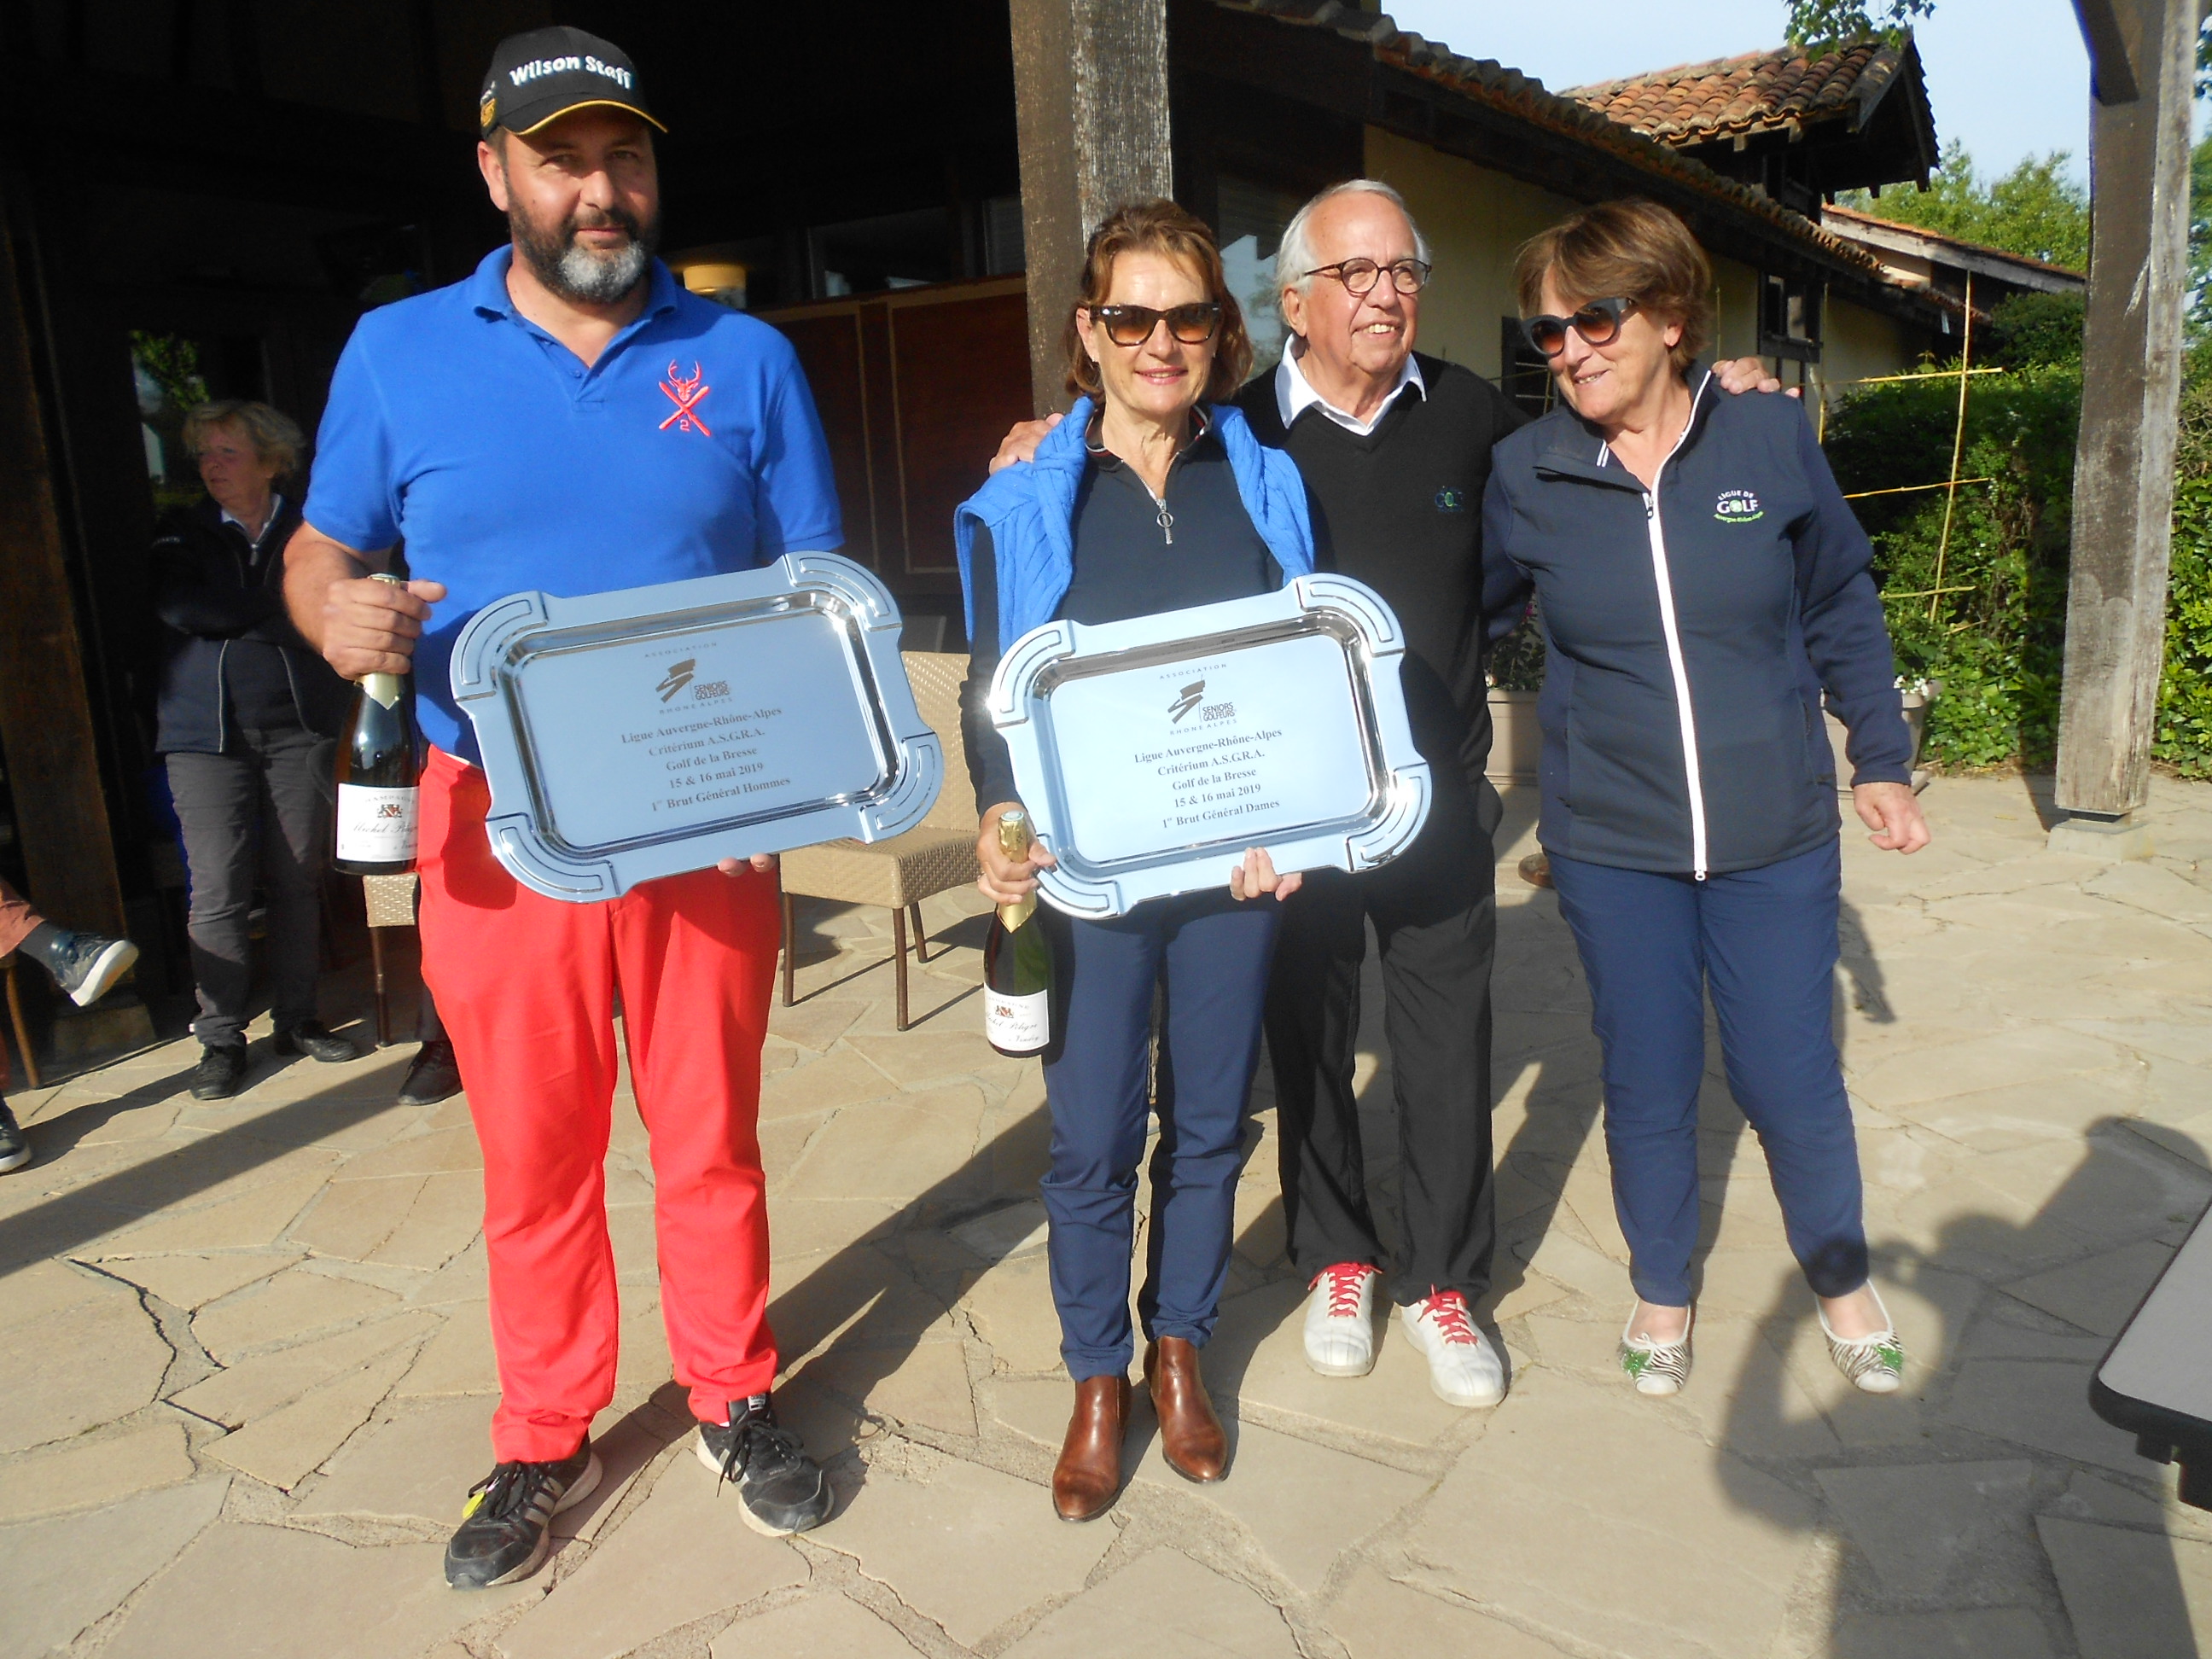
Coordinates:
x,y
655,731
1151,753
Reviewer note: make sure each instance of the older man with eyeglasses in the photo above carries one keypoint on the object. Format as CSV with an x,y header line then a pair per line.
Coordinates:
x,y
1394,448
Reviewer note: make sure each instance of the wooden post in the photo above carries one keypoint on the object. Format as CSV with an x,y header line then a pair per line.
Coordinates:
x,y
45,712
2142,61
1090,102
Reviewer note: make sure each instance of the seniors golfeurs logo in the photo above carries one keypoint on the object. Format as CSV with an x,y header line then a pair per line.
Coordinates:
x,y
1738,506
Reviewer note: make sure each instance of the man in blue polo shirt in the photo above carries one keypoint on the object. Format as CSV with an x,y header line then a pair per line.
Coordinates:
x,y
569,420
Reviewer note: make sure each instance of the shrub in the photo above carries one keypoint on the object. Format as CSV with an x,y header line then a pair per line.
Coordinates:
x,y
1984,608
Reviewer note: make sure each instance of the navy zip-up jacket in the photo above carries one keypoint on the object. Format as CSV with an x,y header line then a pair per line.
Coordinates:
x,y
215,601
1689,636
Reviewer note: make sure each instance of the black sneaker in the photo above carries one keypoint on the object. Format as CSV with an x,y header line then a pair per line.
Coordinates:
x,y
87,966
315,1040
780,1488
14,1147
220,1072
434,1076
509,1524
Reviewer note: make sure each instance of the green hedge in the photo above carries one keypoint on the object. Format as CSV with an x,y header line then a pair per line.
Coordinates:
x,y
1983,610
1998,644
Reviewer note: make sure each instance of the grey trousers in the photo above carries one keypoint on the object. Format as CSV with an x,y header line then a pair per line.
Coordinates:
x,y
259,811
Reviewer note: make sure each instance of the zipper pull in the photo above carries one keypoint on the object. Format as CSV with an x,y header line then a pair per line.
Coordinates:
x,y
1166,521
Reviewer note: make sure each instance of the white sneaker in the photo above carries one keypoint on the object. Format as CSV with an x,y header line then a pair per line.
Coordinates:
x,y
1340,1320
1464,1370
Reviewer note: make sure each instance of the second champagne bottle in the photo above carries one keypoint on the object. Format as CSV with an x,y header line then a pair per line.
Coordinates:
x,y
1016,963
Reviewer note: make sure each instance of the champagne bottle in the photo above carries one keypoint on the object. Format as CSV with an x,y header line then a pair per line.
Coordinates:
x,y
1016,963
377,771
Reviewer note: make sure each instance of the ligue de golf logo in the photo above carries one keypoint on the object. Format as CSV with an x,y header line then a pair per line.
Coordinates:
x,y
1738,506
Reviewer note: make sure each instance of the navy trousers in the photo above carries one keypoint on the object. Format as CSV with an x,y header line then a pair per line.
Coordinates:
x,y
1210,955
1764,940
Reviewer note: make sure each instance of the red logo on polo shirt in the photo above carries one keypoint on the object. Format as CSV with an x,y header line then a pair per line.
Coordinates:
x,y
687,396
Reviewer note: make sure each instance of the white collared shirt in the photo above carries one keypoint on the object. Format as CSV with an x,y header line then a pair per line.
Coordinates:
x,y
275,512
1294,395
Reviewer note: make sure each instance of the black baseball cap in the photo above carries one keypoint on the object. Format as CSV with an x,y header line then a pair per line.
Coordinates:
x,y
542,74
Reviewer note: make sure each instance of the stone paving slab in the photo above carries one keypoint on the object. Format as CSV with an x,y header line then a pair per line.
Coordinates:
x,y
249,1375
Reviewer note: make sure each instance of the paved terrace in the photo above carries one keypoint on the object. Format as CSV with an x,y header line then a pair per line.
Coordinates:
x,y
247,1374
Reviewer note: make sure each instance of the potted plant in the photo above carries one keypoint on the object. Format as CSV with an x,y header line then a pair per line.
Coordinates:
x,y
1917,695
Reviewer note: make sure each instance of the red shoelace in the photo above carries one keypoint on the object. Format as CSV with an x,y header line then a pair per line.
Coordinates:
x,y
1345,1281
1448,1310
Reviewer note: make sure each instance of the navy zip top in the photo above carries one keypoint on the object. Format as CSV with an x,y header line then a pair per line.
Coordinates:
x,y
1689,635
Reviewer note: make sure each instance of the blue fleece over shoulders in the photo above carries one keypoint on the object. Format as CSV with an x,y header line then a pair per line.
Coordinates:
x,y
1030,510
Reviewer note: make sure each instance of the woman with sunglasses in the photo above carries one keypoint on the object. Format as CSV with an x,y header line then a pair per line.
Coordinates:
x,y
1701,582
1152,496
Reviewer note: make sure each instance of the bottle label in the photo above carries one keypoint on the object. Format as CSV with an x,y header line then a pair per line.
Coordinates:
x,y
1019,1023
376,826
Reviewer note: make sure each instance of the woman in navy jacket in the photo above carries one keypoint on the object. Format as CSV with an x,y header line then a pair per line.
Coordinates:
x,y
1700,582
1152,495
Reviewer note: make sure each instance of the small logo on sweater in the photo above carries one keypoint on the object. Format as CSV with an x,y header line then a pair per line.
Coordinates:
x,y
1451,501
1738,506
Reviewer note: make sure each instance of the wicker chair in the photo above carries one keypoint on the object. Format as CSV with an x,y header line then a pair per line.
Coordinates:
x,y
899,873
388,901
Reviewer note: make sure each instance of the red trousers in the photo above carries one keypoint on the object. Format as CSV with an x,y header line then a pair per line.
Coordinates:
x,y
527,987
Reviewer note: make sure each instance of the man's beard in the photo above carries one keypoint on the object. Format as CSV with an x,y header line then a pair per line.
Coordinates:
x,y
579,273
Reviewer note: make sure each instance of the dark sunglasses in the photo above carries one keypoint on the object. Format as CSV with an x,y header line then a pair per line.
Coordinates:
x,y
1360,276
1598,321
1132,325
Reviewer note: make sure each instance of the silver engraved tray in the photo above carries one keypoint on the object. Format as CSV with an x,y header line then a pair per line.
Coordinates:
x,y
1151,753
655,731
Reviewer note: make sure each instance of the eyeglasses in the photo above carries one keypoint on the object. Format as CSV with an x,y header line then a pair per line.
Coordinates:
x,y
1598,321
1359,275
1132,325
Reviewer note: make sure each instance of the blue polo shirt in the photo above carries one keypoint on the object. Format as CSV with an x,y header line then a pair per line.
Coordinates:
x,y
506,465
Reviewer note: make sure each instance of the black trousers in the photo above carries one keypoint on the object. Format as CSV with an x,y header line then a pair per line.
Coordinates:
x,y
1435,911
259,811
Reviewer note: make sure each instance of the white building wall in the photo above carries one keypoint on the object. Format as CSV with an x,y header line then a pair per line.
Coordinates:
x,y
1475,219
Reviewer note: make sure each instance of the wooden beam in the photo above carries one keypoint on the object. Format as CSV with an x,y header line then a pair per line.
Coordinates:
x,y
1091,105
45,716
2131,391
2111,74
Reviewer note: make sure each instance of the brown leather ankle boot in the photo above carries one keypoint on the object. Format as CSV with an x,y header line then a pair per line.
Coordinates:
x,y
1191,1437
1089,1475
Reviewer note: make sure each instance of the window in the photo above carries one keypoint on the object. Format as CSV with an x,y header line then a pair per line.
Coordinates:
x,y
1253,219
1527,376
893,250
1789,318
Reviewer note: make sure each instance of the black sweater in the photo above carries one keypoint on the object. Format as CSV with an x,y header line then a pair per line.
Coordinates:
x,y
1401,510
1125,566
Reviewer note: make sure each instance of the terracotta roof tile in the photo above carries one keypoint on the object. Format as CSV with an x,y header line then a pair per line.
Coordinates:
x,y
1757,92
1487,81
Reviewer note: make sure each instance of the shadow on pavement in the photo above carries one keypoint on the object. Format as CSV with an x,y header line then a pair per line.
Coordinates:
x,y
2018,1385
